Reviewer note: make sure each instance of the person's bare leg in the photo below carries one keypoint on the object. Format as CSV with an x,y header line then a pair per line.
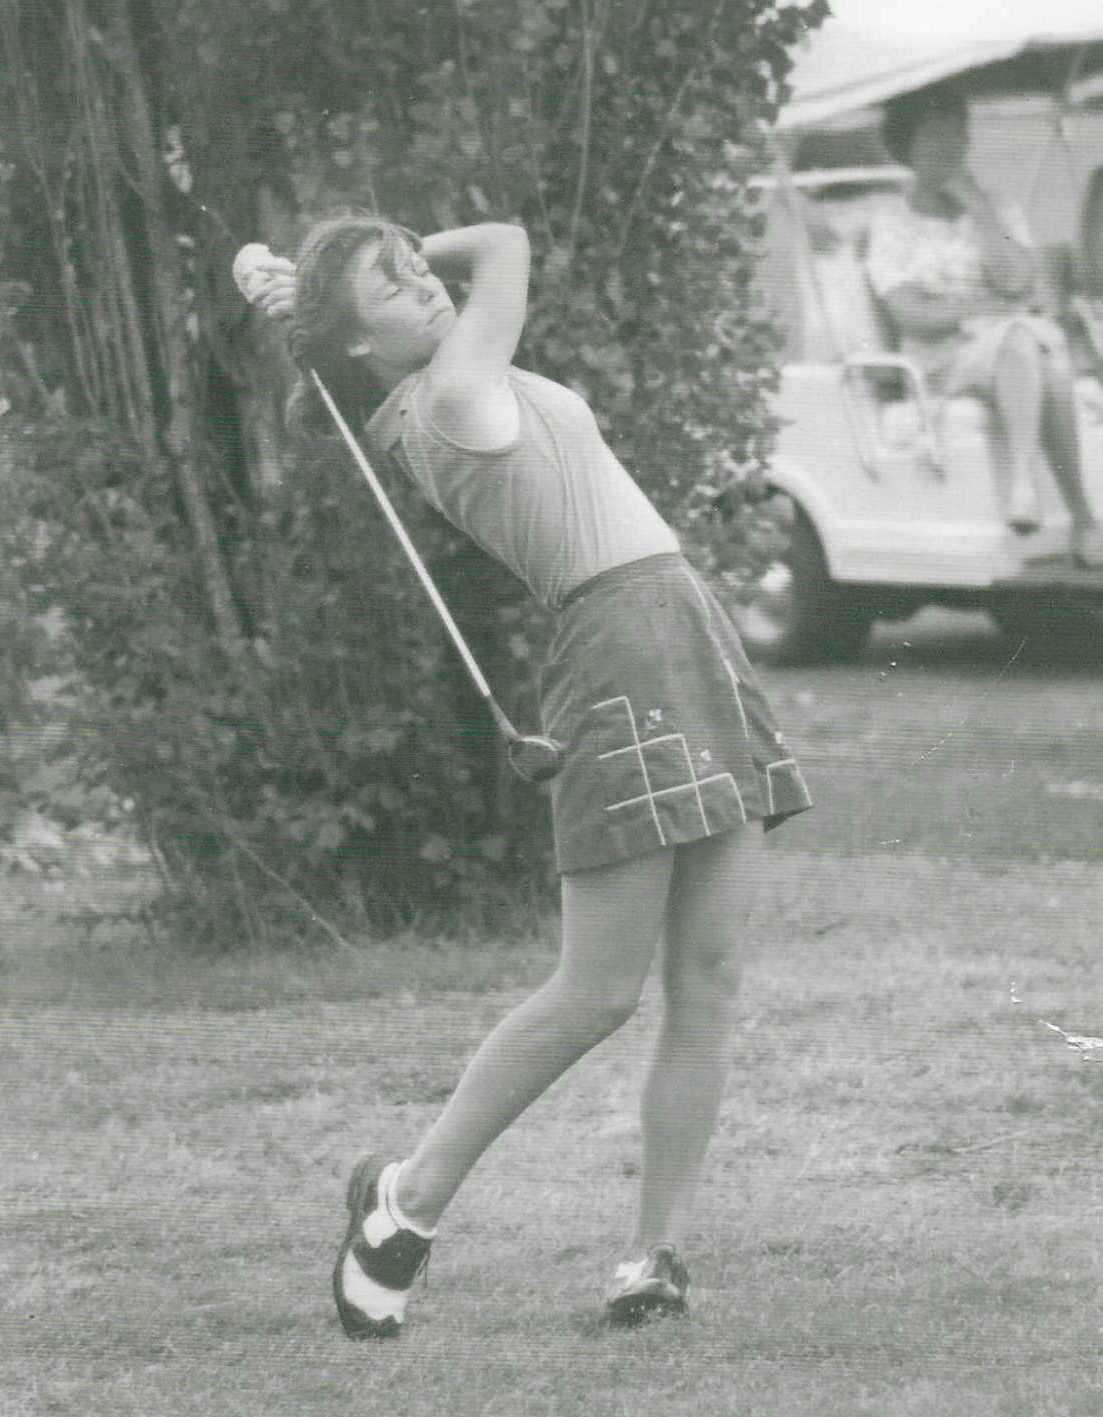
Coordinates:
x,y
1019,392
1061,436
708,919
612,919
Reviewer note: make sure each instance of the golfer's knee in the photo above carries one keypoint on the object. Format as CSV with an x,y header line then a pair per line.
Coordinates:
x,y
596,1012
707,975
614,1011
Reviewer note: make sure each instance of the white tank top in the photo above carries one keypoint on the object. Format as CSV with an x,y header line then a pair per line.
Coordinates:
x,y
555,505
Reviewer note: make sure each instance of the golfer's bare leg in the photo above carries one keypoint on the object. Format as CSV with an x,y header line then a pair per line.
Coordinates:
x,y
1019,390
708,921
612,919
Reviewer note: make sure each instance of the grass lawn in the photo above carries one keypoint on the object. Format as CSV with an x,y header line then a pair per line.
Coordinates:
x,y
902,1213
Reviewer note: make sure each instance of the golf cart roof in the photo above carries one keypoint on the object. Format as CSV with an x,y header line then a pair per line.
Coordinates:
x,y
848,66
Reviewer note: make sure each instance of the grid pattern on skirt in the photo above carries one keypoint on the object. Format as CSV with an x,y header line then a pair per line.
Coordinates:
x,y
668,734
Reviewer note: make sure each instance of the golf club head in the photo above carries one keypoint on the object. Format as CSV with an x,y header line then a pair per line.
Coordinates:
x,y
535,758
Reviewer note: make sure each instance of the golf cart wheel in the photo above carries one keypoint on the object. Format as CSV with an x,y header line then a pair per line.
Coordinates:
x,y
799,614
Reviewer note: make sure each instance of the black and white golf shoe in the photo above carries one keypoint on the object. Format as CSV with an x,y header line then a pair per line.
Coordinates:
x,y
650,1287
378,1262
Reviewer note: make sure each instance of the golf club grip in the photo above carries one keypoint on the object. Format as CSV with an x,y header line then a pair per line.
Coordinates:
x,y
408,546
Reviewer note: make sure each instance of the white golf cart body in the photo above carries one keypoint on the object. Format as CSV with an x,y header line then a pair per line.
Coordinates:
x,y
901,496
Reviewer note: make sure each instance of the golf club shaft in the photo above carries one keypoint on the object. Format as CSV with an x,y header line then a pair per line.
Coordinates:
x,y
477,677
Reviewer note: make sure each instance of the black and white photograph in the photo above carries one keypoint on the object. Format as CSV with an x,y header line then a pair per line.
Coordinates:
x,y
551,708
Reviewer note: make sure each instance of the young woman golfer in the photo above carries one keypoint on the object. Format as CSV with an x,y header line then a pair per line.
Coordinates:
x,y
671,751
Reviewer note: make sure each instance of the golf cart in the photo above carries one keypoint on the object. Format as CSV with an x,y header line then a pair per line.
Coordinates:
x,y
899,498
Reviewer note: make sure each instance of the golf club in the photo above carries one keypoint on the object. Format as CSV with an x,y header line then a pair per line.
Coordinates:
x,y
532,756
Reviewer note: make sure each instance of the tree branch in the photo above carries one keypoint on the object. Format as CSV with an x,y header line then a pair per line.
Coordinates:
x,y
244,847
587,115
664,131
169,316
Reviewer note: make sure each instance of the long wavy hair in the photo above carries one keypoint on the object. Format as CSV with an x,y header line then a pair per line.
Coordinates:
x,y
324,322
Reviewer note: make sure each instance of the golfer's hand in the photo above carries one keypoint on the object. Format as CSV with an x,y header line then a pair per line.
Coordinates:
x,y
266,281
274,288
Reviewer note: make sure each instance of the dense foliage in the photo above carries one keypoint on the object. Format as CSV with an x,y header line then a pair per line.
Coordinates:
x,y
255,668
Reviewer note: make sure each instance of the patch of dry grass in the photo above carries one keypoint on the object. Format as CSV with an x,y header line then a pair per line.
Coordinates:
x,y
903,1211
902,1214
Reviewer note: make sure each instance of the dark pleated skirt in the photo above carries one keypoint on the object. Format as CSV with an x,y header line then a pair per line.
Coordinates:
x,y
668,736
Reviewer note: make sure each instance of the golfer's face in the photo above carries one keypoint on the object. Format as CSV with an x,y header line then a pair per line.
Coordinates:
x,y
405,314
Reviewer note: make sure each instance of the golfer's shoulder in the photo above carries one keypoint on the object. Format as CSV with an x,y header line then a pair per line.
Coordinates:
x,y
477,414
485,422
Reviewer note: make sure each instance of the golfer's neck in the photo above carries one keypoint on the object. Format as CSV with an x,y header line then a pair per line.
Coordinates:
x,y
389,376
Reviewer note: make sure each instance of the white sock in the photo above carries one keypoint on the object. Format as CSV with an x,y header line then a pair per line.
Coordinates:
x,y
388,1195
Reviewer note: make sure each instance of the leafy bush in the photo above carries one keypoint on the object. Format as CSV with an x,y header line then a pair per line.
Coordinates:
x,y
257,670
328,762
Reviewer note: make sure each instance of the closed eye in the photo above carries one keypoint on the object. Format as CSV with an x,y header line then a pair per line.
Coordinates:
x,y
416,268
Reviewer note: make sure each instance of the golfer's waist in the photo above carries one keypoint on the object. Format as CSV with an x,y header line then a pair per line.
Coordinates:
x,y
625,571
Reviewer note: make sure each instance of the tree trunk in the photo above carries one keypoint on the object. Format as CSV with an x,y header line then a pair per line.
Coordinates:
x,y
170,312
114,321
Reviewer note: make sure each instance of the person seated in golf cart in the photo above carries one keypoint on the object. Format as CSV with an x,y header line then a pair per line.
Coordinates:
x,y
954,271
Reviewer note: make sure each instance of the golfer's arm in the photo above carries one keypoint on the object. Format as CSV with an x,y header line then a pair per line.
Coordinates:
x,y
480,346
467,250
